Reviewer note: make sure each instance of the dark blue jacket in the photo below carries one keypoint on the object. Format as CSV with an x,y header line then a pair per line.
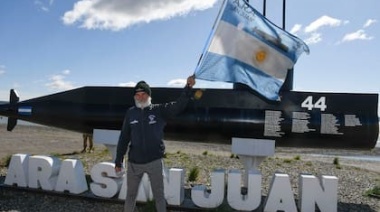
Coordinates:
x,y
143,130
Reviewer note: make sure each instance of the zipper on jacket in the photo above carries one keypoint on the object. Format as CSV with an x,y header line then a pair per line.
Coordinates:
x,y
142,119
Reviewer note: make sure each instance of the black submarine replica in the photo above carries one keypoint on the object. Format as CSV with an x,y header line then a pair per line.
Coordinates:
x,y
300,119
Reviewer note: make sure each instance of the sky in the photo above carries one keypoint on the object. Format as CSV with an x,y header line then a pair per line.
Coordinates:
x,y
49,46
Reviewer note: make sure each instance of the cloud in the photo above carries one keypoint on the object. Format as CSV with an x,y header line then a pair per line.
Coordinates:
x,y
296,28
58,82
177,82
127,84
2,69
312,31
314,38
369,22
323,21
66,72
44,5
358,35
119,14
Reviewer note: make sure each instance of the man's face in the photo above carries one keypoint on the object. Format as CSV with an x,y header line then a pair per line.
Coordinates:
x,y
141,99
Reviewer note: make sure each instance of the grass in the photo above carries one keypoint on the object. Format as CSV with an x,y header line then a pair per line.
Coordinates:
x,y
234,156
4,162
193,175
337,163
375,191
149,206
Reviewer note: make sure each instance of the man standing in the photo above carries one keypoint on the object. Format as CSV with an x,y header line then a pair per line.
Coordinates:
x,y
87,136
142,132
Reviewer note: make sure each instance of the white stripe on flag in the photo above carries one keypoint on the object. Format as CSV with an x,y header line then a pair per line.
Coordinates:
x,y
25,110
232,42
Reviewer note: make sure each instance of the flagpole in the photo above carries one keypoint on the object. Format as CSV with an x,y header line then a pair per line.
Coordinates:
x,y
264,8
288,83
283,13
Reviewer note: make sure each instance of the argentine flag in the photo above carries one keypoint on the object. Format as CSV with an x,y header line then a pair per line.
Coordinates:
x,y
245,47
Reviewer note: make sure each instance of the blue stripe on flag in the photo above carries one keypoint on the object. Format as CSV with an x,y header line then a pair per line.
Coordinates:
x,y
25,110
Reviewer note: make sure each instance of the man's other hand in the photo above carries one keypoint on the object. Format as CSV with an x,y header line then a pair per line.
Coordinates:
x,y
191,81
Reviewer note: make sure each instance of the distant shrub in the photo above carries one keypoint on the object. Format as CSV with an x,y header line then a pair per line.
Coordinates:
x,y
205,153
5,161
105,151
193,175
336,161
375,191
55,154
287,160
234,156
297,157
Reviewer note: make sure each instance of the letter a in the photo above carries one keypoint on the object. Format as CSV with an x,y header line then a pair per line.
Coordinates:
x,y
280,195
17,169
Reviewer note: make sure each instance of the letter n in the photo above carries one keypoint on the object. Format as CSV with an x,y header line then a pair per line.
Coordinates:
x,y
312,193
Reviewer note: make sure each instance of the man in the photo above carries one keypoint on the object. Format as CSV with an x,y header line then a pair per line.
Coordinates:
x,y
142,132
87,136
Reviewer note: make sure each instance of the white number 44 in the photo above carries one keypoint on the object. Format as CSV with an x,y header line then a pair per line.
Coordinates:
x,y
320,103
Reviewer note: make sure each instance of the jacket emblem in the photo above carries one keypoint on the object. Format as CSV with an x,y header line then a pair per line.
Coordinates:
x,y
134,122
152,119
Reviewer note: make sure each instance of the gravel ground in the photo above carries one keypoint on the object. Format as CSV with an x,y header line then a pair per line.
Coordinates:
x,y
355,177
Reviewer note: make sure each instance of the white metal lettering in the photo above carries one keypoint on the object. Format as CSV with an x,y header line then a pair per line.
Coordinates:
x,y
319,104
48,173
